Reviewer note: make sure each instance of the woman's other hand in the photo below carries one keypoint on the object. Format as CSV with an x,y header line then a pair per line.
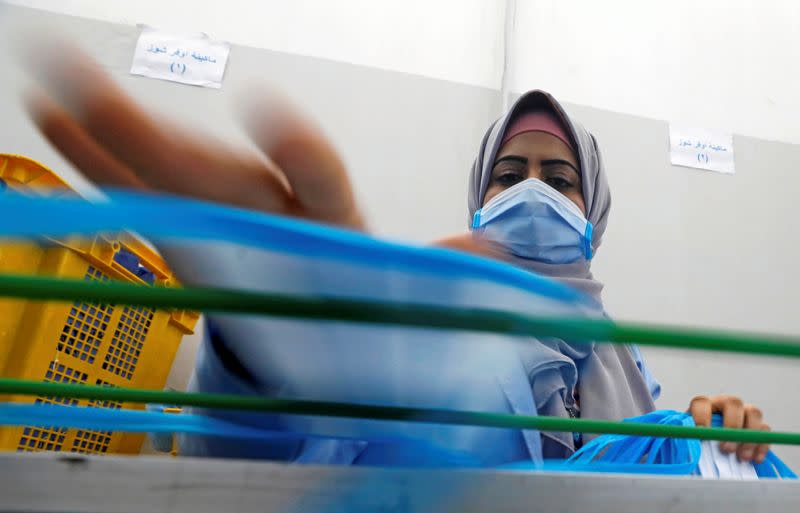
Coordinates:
x,y
735,414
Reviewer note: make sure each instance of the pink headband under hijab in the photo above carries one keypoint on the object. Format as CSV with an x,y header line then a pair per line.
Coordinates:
x,y
537,121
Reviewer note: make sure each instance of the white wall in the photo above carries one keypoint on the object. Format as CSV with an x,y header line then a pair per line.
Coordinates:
x,y
458,40
719,64
727,64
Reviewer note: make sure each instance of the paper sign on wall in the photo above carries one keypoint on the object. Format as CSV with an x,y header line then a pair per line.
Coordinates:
x,y
701,149
188,59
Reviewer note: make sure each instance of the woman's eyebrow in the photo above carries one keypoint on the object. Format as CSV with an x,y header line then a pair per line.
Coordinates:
x,y
554,162
513,158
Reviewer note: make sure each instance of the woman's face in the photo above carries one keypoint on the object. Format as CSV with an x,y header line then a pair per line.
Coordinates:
x,y
537,155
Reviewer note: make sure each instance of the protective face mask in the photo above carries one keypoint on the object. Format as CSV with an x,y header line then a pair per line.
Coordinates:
x,y
533,220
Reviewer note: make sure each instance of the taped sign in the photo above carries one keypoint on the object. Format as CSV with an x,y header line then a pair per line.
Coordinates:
x,y
188,59
702,149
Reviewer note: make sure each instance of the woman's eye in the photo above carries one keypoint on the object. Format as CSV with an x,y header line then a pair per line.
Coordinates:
x,y
509,177
558,183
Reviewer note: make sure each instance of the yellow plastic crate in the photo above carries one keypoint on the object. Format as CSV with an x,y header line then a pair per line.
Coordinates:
x,y
109,345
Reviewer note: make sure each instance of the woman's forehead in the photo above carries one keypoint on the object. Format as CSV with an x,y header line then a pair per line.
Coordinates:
x,y
537,144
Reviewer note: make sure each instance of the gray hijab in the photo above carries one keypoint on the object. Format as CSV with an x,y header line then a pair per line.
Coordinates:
x,y
606,376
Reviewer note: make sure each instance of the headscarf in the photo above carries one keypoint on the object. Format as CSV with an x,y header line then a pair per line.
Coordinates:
x,y
537,121
596,194
609,382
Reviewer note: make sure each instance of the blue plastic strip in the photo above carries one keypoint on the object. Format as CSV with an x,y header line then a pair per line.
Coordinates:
x,y
600,466
134,421
587,241
649,455
626,453
137,421
170,217
772,465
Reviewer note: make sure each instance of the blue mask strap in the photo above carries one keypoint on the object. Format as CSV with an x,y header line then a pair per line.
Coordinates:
x,y
476,219
587,241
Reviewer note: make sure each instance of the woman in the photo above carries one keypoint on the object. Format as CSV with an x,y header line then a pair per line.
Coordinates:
x,y
116,143
540,172
538,194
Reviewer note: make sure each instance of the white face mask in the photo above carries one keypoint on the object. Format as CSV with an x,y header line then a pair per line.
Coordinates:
x,y
533,220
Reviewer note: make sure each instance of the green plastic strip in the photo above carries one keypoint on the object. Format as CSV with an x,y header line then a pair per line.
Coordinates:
x,y
439,416
234,301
